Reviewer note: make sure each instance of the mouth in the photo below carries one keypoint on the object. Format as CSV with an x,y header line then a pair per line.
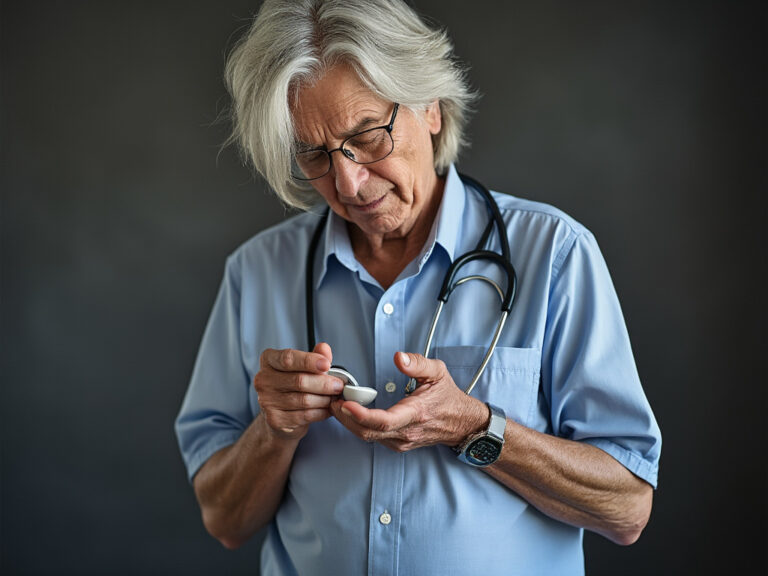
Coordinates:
x,y
371,206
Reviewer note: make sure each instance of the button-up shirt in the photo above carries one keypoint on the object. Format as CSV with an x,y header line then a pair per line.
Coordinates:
x,y
563,366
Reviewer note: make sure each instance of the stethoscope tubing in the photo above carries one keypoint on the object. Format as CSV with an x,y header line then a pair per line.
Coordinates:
x,y
450,283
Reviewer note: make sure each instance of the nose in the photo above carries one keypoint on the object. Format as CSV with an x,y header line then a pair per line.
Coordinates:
x,y
349,175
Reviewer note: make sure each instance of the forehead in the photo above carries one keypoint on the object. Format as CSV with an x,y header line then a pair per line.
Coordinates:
x,y
334,106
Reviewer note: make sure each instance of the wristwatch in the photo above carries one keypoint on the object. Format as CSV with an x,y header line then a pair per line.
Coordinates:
x,y
484,448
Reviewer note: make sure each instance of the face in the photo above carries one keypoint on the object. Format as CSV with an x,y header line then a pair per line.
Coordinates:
x,y
384,199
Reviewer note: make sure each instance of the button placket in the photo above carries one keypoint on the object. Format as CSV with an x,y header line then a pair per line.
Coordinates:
x,y
386,492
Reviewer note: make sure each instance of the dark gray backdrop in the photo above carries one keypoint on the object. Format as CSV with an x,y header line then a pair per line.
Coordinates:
x,y
646,121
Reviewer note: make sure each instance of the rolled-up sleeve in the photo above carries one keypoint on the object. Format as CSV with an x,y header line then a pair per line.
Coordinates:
x,y
589,373
215,411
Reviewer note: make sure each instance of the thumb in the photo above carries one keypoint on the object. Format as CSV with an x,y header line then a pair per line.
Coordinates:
x,y
325,349
418,366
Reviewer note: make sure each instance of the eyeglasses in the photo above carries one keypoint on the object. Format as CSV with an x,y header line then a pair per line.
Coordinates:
x,y
365,147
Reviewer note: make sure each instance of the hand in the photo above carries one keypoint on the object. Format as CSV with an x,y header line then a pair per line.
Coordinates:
x,y
438,412
294,389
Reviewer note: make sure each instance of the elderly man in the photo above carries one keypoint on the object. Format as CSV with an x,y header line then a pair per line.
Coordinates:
x,y
358,105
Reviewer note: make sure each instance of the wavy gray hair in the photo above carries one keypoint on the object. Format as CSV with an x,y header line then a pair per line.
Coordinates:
x,y
291,42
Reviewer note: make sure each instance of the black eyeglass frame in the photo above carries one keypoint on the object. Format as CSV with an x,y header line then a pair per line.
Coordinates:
x,y
388,127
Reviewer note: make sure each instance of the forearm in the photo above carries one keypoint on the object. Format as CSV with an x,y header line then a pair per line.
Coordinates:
x,y
574,482
240,487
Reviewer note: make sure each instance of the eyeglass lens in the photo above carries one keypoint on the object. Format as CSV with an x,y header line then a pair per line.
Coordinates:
x,y
364,147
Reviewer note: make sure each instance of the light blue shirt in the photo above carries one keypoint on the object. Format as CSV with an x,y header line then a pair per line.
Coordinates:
x,y
563,366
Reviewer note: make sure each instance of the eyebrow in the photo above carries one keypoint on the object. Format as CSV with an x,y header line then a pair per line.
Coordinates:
x,y
361,126
364,124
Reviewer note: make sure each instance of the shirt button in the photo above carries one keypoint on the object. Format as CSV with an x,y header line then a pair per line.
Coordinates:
x,y
385,518
388,308
390,387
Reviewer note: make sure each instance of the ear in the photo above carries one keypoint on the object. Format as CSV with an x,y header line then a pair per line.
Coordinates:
x,y
434,117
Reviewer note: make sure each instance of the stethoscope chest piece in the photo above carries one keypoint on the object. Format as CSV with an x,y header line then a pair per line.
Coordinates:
x,y
352,390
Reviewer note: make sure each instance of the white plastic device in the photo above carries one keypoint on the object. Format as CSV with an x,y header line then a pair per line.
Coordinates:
x,y
352,390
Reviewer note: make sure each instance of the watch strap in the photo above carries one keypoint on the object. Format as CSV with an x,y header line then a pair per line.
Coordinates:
x,y
498,422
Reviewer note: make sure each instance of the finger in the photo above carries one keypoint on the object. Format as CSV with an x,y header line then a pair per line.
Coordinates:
x,y
315,415
291,420
325,349
290,360
418,366
396,417
301,383
294,401
344,416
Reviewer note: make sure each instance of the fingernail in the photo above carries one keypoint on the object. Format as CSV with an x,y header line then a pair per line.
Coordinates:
x,y
405,358
338,386
323,365
345,411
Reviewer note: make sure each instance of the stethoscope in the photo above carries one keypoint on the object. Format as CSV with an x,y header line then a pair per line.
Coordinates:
x,y
352,390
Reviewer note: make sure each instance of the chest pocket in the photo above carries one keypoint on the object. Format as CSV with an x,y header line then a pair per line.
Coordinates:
x,y
510,381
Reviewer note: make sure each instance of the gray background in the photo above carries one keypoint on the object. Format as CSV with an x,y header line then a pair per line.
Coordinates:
x,y
646,121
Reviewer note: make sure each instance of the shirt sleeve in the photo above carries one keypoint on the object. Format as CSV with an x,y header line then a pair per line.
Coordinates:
x,y
588,371
215,411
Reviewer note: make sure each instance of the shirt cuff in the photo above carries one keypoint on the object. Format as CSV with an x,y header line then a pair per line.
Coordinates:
x,y
630,460
201,456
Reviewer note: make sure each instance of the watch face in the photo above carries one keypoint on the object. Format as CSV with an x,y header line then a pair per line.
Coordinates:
x,y
483,451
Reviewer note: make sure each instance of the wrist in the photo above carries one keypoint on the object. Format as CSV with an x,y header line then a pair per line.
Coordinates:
x,y
484,448
474,419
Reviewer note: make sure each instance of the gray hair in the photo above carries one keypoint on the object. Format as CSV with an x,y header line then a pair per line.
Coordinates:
x,y
291,42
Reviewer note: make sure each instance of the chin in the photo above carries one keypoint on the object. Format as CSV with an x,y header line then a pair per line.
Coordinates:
x,y
382,224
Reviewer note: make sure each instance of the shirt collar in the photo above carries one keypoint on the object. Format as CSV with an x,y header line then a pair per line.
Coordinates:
x,y
445,231
336,242
449,217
